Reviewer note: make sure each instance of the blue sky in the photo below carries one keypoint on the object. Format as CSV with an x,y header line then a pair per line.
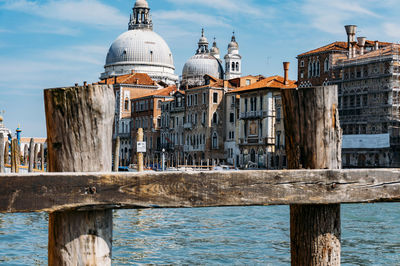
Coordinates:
x,y
49,43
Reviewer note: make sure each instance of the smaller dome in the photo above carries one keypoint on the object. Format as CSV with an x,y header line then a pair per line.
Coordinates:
x,y
203,40
214,49
233,44
141,4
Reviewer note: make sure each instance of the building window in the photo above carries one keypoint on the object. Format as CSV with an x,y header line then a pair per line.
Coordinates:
x,y
326,65
215,97
248,82
302,63
309,69
233,66
215,118
278,114
237,66
232,117
159,104
204,118
126,104
195,99
215,141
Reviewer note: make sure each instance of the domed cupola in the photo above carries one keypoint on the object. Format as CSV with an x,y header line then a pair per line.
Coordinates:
x,y
140,49
233,60
214,51
201,64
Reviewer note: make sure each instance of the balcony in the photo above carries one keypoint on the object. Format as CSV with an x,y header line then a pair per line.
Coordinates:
x,y
253,114
189,148
188,126
256,141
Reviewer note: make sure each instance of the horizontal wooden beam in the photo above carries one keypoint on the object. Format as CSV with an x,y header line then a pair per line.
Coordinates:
x,y
62,191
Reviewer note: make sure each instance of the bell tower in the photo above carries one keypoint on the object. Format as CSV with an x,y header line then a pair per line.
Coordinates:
x,y
233,60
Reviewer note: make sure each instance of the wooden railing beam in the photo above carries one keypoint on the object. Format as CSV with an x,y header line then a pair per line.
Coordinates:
x,y
63,191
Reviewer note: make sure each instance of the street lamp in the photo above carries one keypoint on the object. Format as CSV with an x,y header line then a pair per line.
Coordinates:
x,y
163,159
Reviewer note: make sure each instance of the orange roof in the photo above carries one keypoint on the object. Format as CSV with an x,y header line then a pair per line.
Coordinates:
x,y
161,92
388,50
340,46
274,82
133,78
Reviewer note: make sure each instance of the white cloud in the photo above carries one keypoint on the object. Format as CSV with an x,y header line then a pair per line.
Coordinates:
x,y
330,16
237,6
193,17
91,12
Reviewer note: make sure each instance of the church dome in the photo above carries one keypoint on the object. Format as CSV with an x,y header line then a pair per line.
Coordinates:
x,y
141,4
201,64
140,47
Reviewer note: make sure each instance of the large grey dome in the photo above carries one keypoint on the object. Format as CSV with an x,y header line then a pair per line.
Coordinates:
x,y
140,49
198,66
140,46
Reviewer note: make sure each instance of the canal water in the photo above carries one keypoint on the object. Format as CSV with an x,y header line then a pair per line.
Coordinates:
x,y
213,236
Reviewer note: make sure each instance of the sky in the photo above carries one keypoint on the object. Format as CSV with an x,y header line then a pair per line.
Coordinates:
x,y
57,43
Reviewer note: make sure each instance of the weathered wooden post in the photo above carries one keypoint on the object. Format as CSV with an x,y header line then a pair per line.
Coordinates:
x,y
79,127
26,150
35,156
6,152
31,155
15,159
116,154
2,168
42,156
140,154
313,141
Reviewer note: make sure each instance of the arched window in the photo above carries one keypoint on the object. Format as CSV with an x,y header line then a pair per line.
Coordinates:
x,y
318,69
309,69
215,118
237,66
215,141
233,66
314,69
127,103
326,65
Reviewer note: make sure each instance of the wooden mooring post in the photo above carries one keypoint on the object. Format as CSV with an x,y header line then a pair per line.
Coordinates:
x,y
31,155
15,158
140,154
79,128
2,169
313,141
117,146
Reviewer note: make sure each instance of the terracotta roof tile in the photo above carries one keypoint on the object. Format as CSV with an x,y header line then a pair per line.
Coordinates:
x,y
133,78
275,82
340,46
161,92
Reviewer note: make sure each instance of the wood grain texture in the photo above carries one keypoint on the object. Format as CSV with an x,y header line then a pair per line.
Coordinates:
x,y
79,127
2,153
35,156
79,135
26,152
15,158
116,154
313,137
6,152
139,154
63,191
42,159
31,155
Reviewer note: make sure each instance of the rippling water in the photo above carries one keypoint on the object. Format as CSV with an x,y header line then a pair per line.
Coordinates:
x,y
235,235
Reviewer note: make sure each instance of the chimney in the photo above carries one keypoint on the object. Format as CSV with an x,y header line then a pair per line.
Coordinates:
x,y
376,45
351,38
286,73
361,43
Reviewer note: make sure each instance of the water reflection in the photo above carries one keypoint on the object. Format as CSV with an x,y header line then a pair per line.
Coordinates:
x,y
237,235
